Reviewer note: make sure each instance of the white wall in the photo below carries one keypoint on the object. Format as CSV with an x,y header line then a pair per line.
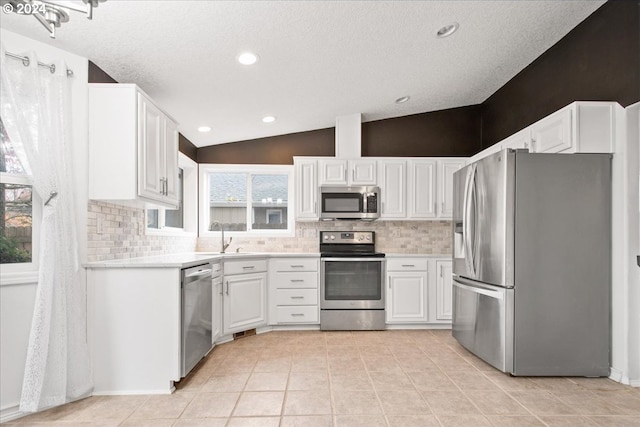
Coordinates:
x,y
17,292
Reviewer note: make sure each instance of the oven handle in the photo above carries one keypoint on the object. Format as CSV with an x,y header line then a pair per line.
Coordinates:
x,y
349,259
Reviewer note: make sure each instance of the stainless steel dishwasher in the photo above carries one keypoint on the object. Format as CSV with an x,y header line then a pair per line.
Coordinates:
x,y
196,315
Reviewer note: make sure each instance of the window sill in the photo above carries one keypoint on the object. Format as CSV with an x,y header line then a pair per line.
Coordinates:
x,y
19,278
170,232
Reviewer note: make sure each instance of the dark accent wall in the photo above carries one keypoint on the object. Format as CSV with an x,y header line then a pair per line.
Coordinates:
x,y
453,132
599,60
272,150
187,148
98,75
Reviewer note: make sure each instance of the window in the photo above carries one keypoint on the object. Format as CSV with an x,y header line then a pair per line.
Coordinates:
x,y
184,219
246,199
17,213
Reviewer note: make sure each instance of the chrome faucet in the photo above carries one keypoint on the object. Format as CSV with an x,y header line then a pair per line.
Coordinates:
x,y
225,245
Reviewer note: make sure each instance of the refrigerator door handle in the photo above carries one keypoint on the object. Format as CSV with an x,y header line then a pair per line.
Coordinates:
x,y
468,198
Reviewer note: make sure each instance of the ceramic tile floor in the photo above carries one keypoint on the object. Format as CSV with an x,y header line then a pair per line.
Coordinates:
x,y
392,378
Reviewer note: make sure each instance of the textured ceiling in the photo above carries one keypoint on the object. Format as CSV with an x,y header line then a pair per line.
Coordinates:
x,y
318,59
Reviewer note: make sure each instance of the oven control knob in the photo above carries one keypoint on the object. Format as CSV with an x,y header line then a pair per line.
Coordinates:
x,y
368,237
326,237
333,237
361,238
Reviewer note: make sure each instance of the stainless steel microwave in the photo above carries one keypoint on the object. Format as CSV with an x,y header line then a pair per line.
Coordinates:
x,y
349,202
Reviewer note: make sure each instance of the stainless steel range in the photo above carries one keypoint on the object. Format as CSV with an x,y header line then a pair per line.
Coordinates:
x,y
352,276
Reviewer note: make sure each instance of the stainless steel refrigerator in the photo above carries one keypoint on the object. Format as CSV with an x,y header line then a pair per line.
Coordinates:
x,y
532,262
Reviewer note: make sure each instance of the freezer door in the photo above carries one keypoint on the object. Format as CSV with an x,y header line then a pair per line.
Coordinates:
x,y
483,220
483,321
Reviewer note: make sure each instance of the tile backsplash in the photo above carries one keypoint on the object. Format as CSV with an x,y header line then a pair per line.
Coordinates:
x,y
410,237
117,232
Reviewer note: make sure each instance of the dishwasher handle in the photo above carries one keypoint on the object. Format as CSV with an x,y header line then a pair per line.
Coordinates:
x,y
197,273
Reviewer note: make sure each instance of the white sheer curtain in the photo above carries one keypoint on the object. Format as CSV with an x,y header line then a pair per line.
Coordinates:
x,y
35,109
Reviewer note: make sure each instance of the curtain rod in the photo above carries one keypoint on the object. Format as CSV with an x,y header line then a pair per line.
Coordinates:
x,y
25,60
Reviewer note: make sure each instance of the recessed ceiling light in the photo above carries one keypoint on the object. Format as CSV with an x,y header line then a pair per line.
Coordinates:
x,y
204,129
402,99
247,58
268,119
447,30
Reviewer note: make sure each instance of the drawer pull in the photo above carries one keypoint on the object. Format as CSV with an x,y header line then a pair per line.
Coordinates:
x,y
297,280
249,267
297,314
408,265
297,297
297,266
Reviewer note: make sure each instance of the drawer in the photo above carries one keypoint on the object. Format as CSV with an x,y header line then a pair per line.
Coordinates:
x,y
295,280
245,266
406,264
296,296
301,314
294,264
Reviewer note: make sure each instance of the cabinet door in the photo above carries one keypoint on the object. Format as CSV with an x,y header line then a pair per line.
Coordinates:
x,y
244,302
393,188
444,290
422,189
518,140
362,172
407,297
216,314
553,133
150,146
445,186
333,172
170,163
306,189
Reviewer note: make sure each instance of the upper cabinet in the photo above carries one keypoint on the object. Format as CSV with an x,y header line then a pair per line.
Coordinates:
x,y
133,148
393,188
306,182
580,127
446,169
421,186
347,172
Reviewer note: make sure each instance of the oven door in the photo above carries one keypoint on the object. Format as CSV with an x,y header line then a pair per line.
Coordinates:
x,y
352,283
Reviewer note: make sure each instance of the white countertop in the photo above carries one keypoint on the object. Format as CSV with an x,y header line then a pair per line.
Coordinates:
x,y
189,259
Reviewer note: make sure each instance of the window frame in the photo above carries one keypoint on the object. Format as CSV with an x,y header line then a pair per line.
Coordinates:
x,y
207,168
189,203
36,219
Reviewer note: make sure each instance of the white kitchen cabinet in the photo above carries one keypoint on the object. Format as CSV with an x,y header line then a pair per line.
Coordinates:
x,y
306,184
407,291
393,188
347,172
444,290
216,312
133,148
133,329
294,291
421,186
580,127
245,295
446,169
553,133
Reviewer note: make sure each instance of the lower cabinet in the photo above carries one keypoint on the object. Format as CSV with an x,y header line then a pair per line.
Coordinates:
x,y
244,296
216,314
293,291
407,290
419,290
444,290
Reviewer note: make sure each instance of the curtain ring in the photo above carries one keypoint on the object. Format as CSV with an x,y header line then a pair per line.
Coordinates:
x,y
26,61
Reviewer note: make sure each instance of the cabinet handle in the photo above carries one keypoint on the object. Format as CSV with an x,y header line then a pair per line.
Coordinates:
x,y
353,175
297,314
297,297
408,265
297,266
227,287
441,207
315,207
440,271
249,267
297,280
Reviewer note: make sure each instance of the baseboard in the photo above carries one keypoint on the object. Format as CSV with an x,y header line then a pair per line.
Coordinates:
x,y
11,413
616,375
425,326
